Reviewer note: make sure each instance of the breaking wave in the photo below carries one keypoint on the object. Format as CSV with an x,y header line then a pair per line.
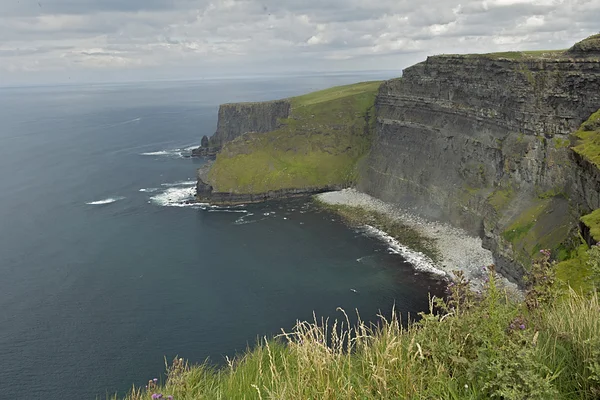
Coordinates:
x,y
109,200
175,153
175,197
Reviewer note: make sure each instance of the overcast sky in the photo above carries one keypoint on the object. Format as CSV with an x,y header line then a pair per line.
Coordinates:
x,y
102,40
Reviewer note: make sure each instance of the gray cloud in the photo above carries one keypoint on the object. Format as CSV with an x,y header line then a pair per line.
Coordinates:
x,y
56,37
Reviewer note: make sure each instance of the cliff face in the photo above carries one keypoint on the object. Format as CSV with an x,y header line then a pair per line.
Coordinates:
x,y
483,142
283,148
238,119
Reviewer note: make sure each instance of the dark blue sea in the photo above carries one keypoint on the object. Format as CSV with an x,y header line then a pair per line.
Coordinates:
x,y
104,271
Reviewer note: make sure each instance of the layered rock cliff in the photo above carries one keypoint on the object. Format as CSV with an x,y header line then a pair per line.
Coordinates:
x,y
238,119
484,143
481,141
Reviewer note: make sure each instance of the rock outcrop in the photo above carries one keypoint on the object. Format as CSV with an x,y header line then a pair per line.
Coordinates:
x,y
483,142
238,119
589,47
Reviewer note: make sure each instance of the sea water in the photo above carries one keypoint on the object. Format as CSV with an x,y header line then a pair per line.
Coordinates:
x,y
104,268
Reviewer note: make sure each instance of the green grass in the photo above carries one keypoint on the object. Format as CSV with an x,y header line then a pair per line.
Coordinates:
x,y
588,139
520,228
500,198
319,145
404,234
575,271
492,348
522,55
592,221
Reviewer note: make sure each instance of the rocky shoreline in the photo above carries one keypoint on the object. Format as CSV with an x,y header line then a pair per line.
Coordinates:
x,y
458,250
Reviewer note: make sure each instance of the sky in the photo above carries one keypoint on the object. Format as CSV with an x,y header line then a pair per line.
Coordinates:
x,y
52,41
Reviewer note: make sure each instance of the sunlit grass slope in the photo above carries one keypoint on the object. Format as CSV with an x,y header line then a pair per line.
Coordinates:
x,y
319,145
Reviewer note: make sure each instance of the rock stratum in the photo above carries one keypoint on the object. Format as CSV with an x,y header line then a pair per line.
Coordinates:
x,y
504,145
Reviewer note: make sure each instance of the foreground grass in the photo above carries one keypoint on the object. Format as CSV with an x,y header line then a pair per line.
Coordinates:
x,y
464,348
319,145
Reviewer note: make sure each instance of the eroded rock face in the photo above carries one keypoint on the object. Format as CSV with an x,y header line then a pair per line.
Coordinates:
x,y
237,119
479,141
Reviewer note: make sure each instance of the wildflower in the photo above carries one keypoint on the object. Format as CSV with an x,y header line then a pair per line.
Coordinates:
x,y
512,326
545,252
157,396
155,380
522,326
169,397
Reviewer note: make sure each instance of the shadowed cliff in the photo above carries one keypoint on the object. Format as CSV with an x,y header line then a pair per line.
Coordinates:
x,y
483,141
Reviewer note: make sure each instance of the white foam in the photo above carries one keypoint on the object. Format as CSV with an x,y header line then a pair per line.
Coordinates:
x,y
105,201
190,148
458,250
158,153
227,210
418,260
175,197
180,183
148,190
177,153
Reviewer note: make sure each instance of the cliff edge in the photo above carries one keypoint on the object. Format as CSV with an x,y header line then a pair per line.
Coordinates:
x,y
300,145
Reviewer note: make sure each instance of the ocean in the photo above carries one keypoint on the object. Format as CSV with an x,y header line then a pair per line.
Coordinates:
x,y
105,271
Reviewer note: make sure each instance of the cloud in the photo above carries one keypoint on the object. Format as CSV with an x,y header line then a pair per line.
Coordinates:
x,y
244,36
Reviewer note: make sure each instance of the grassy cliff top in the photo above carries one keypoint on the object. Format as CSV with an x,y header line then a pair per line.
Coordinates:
x,y
586,46
319,145
589,47
334,93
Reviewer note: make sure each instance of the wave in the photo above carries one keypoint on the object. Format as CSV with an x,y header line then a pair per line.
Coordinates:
x,y
105,201
177,153
158,153
176,197
149,190
180,183
420,261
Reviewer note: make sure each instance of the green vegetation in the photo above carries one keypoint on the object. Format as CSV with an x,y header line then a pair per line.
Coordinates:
x,y
545,224
588,139
592,221
575,270
468,347
501,197
588,45
319,145
406,235
522,55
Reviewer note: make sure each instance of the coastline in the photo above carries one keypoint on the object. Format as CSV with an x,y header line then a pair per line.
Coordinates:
x,y
456,248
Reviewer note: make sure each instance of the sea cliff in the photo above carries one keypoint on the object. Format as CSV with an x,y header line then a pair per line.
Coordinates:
x,y
304,144
501,145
